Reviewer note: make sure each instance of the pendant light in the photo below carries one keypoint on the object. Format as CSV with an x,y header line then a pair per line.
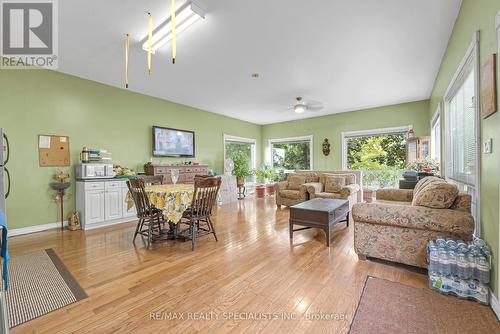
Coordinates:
x,y
150,41
127,47
174,32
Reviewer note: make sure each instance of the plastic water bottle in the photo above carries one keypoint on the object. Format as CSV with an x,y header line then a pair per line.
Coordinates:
x,y
462,247
462,266
471,266
441,242
444,262
479,243
483,269
452,259
433,259
451,244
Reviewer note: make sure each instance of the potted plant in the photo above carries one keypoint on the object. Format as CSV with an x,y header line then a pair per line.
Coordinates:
x,y
241,168
426,165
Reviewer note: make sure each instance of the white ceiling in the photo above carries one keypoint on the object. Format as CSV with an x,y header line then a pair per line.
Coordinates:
x,y
348,54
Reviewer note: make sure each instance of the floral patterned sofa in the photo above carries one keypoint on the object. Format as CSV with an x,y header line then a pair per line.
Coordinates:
x,y
304,185
398,226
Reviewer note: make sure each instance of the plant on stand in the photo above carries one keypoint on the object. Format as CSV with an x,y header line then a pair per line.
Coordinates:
x,y
241,168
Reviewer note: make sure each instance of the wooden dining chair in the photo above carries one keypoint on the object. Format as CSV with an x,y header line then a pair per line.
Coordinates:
x,y
150,217
150,180
198,216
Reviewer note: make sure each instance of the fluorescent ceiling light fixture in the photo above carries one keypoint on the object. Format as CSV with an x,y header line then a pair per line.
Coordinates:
x,y
185,16
299,108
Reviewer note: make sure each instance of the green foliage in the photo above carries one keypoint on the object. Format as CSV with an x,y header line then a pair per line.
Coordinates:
x,y
266,173
297,155
241,165
394,146
380,157
241,154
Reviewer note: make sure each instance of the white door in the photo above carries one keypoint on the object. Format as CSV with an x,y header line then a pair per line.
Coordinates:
x,y
126,211
113,204
94,206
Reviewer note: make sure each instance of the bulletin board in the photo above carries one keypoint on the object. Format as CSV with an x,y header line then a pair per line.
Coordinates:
x,y
53,151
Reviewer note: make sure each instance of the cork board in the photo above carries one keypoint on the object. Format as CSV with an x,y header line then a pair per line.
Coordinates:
x,y
53,151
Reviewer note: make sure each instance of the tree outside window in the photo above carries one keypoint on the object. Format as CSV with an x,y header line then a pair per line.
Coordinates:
x,y
291,155
381,157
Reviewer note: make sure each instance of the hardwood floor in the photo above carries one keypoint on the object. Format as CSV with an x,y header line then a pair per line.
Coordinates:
x,y
254,271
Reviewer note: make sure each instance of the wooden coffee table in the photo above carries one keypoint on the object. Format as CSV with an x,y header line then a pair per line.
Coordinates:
x,y
320,213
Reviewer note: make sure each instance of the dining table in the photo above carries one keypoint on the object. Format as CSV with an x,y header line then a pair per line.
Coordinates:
x,y
172,199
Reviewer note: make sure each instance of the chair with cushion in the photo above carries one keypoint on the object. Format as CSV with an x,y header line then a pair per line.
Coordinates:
x,y
336,186
150,217
291,191
398,226
199,215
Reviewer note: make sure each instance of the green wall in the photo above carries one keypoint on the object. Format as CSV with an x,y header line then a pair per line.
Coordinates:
x,y
477,15
34,102
331,127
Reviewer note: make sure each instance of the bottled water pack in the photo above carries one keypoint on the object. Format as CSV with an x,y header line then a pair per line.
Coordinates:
x,y
459,268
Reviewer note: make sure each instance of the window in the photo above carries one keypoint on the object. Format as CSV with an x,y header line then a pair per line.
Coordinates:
x,y
379,153
292,153
235,145
462,128
436,136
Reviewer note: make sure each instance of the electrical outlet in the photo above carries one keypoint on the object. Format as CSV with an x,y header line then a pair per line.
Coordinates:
x,y
488,146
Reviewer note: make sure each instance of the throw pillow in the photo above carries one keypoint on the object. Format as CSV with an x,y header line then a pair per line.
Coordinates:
x,y
295,181
423,183
437,195
334,184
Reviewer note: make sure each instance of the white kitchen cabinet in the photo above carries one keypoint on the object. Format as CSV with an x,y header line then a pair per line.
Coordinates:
x,y
113,204
102,203
94,206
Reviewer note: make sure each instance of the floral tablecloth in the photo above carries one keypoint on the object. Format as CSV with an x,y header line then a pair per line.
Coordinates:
x,y
172,199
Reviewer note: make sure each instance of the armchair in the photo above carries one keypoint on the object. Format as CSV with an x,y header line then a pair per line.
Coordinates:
x,y
395,228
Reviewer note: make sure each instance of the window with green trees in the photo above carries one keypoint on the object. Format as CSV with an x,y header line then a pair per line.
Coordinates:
x,y
246,149
291,155
381,157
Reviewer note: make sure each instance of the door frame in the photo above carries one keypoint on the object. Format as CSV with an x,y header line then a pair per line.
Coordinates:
x,y
497,25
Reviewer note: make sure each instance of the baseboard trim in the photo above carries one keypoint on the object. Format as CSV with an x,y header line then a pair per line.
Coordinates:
x,y
52,226
109,223
495,305
35,229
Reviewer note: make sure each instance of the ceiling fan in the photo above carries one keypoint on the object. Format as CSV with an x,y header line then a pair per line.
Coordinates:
x,y
302,105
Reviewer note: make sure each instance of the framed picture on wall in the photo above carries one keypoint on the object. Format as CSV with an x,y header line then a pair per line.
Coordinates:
x,y
489,87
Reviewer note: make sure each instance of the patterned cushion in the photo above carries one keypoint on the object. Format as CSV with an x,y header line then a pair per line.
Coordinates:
x,y
349,178
423,182
333,184
291,194
329,195
437,194
295,181
310,176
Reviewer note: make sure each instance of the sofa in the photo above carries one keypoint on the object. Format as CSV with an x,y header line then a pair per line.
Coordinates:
x,y
301,186
398,226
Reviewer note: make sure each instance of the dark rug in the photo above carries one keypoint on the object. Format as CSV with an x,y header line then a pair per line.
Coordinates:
x,y
39,283
389,307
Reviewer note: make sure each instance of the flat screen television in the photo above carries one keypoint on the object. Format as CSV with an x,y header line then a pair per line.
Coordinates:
x,y
169,142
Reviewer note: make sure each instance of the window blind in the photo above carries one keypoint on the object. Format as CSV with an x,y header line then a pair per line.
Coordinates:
x,y
462,144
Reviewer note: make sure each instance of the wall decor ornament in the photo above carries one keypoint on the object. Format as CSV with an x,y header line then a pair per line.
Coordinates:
x,y
326,147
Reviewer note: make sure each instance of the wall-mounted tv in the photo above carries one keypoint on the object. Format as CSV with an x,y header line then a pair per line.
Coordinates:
x,y
169,142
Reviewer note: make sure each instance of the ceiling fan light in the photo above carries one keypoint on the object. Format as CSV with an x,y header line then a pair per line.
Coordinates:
x,y
299,108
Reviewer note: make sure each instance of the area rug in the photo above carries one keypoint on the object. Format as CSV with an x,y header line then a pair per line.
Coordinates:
x,y
39,283
389,307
